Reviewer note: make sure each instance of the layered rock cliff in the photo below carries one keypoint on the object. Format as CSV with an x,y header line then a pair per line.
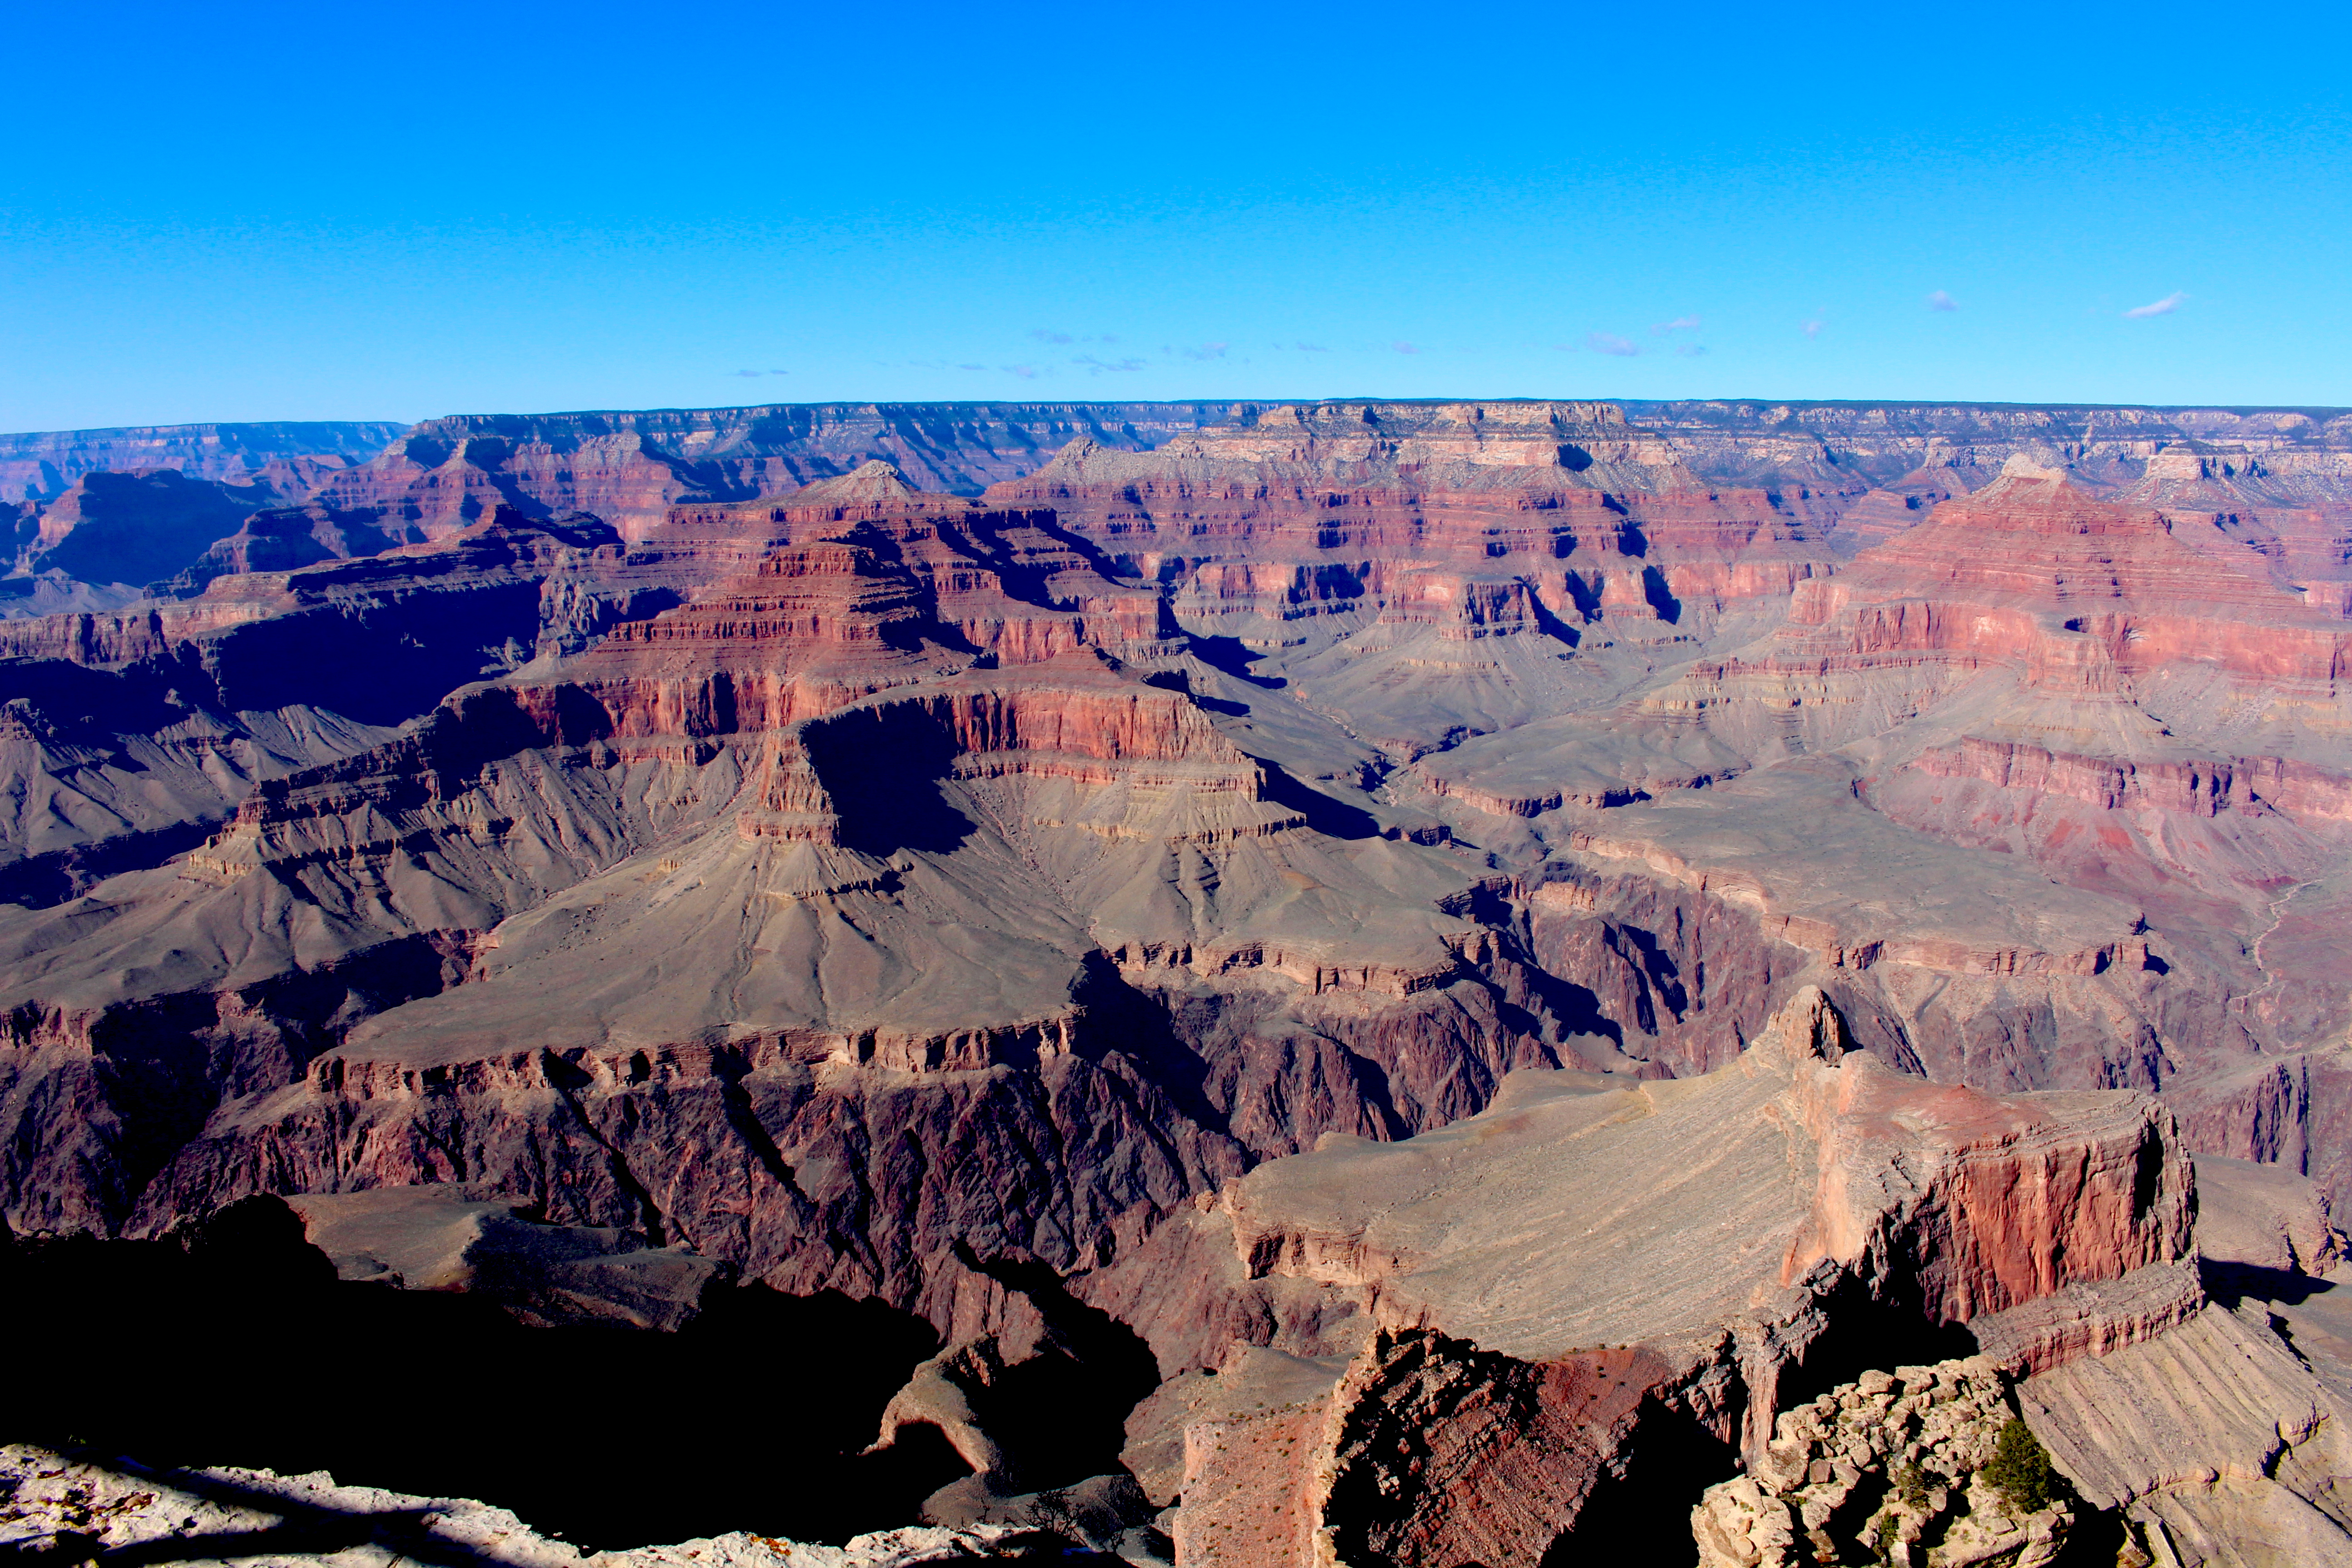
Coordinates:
x,y
1551,1322
852,884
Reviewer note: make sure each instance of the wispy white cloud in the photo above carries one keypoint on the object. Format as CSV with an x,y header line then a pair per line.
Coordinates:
x,y
1044,336
971,367
1813,328
2164,307
1679,324
1610,343
1690,351
1404,348
1311,348
1096,367
1939,301
1025,371
1208,351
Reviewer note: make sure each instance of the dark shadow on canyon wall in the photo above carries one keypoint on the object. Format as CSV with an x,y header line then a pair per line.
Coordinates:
x,y
237,1346
1331,818
1231,656
1640,1511
1642,1515
883,766
1063,1411
1869,1330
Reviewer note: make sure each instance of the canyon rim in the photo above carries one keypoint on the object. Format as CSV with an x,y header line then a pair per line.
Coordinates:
x,y
1406,985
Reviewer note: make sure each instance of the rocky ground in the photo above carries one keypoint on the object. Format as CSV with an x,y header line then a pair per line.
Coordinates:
x,y
1892,1465
75,1508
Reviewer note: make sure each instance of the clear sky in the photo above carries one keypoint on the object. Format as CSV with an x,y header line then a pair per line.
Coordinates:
x,y
360,210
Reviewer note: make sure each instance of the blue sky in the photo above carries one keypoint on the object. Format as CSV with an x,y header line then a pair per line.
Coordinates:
x,y
245,211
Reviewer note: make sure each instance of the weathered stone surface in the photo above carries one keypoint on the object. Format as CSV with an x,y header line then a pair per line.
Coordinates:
x,y
58,1504
2264,1216
2216,1436
1886,1466
1254,1382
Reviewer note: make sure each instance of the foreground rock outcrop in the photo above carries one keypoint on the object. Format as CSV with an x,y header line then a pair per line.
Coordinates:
x,y
66,1507
2220,1439
1892,1465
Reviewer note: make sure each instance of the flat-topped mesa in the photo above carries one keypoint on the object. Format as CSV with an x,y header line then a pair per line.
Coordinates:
x,y
726,534
442,475
1411,437
1075,718
1534,1285
1541,447
2033,570
843,590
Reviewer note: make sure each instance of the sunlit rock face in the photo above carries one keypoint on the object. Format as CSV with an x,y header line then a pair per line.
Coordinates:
x,y
1830,869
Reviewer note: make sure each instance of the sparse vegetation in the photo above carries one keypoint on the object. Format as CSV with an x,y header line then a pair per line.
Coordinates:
x,y
2021,1470
1910,1484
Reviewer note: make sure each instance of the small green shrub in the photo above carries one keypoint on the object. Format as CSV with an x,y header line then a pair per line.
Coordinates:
x,y
2021,1470
1911,1486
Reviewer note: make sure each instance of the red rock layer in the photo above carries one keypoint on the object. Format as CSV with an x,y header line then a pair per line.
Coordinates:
x,y
630,467
1235,535
2084,594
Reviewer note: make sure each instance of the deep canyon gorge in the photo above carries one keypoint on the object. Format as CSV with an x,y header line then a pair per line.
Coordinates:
x,y
1418,984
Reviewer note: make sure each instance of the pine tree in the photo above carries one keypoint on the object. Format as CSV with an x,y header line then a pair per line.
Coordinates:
x,y
2021,1470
